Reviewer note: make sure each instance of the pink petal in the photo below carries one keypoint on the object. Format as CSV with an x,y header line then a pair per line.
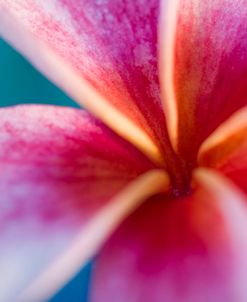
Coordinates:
x,y
111,44
192,249
59,167
210,68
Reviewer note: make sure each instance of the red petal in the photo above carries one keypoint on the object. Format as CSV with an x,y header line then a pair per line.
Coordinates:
x,y
192,249
58,168
112,44
210,68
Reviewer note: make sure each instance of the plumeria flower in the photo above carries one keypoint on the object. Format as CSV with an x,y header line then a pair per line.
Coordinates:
x,y
154,182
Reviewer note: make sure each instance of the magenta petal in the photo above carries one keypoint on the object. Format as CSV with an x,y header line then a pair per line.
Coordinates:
x,y
112,44
192,249
210,67
58,168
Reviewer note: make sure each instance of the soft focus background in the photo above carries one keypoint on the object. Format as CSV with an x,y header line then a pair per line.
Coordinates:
x,y
20,83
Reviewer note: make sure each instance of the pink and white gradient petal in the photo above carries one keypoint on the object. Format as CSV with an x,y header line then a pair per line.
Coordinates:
x,y
59,168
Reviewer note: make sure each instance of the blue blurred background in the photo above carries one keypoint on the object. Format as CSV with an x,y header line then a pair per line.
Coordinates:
x,y
21,83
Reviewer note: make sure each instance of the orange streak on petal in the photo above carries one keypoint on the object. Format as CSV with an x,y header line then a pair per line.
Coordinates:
x,y
225,140
96,233
210,68
167,41
44,59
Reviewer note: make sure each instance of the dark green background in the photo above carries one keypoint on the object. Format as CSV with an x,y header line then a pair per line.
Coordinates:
x,y
21,83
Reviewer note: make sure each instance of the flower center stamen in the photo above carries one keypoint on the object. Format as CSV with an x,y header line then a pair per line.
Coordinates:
x,y
180,173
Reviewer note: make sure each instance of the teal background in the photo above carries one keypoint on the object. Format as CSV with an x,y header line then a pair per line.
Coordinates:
x,y
21,83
